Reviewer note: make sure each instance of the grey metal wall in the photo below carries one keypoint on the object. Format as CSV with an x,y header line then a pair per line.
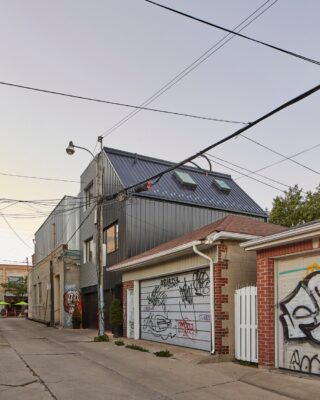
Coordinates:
x,y
112,212
152,222
65,216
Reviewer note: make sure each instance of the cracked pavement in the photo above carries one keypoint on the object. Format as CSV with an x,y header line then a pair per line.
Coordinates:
x,y
45,363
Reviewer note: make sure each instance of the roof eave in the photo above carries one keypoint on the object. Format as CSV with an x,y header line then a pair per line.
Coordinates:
x,y
279,239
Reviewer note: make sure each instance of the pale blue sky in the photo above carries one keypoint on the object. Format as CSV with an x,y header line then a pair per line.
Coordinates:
x,y
125,50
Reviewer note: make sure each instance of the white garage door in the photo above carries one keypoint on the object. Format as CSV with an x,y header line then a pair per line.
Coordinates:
x,y
176,309
299,314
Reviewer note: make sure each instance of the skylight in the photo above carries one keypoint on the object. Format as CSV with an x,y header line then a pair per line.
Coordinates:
x,y
185,179
222,185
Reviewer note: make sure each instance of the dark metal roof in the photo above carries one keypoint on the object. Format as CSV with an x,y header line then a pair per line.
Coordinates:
x,y
133,168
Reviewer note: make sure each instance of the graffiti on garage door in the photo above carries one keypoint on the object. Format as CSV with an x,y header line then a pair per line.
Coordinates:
x,y
177,309
300,321
301,310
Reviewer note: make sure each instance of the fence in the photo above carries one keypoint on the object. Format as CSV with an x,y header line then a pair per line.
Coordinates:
x,y
246,330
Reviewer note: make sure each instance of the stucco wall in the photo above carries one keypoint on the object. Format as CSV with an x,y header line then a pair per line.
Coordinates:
x,y
65,285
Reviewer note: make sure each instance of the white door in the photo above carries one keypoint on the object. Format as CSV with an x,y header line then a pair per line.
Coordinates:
x,y
298,316
130,314
175,309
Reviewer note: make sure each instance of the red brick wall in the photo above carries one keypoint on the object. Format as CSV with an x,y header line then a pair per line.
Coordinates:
x,y
220,281
266,298
125,286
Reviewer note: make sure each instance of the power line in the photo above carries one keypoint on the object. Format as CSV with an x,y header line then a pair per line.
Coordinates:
x,y
291,53
214,158
281,161
227,138
16,234
121,104
38,177
281,155
187,70
251,177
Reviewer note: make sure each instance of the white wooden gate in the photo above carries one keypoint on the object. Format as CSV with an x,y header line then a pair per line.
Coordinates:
x,y
246,329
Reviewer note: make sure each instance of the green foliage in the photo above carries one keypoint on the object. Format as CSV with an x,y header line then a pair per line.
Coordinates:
x,y
163,353
18,289
115,313
295,208
103,338
76,315
136,347
119,342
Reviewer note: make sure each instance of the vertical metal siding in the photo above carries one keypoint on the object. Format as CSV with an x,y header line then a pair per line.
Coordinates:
x,y
65,216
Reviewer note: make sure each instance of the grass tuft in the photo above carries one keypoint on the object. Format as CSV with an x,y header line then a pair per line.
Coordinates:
x,y
104,338
136,347
119,342
163,353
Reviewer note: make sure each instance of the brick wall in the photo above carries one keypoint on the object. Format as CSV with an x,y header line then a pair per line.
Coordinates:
x,y
266,298
125,286
221,298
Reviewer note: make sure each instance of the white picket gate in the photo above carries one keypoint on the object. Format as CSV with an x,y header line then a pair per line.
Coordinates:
x,y
246,329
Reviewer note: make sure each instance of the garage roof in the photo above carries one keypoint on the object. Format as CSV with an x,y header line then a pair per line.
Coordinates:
x,y
232,224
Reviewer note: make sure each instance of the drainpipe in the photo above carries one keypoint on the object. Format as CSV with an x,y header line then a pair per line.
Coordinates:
x,y
199,253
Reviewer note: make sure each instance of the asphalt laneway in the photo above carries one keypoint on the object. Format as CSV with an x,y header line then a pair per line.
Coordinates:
x,y
45,363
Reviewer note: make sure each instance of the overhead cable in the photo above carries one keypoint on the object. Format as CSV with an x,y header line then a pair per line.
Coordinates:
x,y
229,137
288,52
121,104
198,61
281,155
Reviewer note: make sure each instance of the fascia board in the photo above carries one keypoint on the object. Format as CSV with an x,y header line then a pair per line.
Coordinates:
x,y
278,239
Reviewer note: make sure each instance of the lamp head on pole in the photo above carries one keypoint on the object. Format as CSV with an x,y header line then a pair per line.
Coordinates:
x,y
70,149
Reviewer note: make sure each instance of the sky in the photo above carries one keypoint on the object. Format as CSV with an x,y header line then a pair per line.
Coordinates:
x,y
124,51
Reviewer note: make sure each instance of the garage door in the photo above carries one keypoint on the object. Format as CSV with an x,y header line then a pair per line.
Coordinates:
x,y
175,309
299,314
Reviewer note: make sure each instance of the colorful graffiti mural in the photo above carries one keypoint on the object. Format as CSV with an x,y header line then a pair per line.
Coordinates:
x,y
71,299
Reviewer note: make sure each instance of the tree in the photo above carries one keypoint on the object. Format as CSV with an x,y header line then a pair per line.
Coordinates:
x,y
18,288
295,208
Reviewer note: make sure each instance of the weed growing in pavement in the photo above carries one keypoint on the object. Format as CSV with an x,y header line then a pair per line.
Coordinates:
x,y
135,347
119,342
104,338
163,353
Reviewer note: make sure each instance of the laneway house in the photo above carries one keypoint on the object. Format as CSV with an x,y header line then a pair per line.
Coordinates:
x,y
54,278
181,201
182,291
288,283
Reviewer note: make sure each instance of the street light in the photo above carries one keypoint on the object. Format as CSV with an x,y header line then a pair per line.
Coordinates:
x,y
99,245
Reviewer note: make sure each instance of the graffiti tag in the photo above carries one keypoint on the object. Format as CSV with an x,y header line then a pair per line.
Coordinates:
x,y
305,363
301,310
201,283
169,282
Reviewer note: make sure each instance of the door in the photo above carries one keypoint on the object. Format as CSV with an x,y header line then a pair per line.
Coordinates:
x,y
298,317
130,314
175,309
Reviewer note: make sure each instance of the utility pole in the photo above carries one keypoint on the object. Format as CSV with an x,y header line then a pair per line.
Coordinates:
x,y
99,227
99,244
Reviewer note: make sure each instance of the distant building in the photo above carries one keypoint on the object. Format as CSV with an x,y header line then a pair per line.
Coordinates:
x,y
12,273
181,201
54,279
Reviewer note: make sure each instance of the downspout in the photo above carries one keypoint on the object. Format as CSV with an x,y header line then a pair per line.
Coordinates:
x,y
199,253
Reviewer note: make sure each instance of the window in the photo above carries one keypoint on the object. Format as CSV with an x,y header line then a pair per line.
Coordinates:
x,y
222,185
89,195
111,237
88,251
185,179
14,279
